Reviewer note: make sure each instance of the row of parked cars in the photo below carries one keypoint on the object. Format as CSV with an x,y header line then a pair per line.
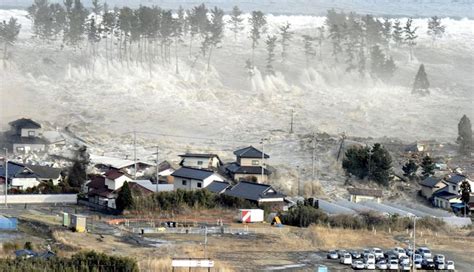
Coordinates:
x,y
394,259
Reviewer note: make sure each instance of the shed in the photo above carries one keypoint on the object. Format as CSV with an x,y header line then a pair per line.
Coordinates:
x,y
360,194
78,222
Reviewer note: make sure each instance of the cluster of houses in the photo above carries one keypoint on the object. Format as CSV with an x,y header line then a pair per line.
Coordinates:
x,y
23,176
243,178
445,192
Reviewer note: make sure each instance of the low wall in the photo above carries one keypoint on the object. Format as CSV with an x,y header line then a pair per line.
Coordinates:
x,y
39,198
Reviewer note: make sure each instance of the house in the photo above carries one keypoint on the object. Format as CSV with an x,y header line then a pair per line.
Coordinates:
x,y
26,136
98,192
21,176
217,187
192,178
255,192
424,146
115,178
46,173
430,185
248,165
104,164
359,194
443,198
454,180
153,187
166,168
196,160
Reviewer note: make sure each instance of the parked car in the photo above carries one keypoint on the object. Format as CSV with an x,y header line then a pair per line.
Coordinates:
x,y
425,253
332,255
450,265
356,255
418,264
382,265
365,252
440,265
393,265
341,252
439,258
405,267
418,257
346,259
399,252
370,265
404,260
378,253
427,264
409,251
358,265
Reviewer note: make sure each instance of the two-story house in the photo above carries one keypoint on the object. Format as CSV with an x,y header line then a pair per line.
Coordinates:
x,y
114,179
26,136
249,165
205,161
189,178
450,194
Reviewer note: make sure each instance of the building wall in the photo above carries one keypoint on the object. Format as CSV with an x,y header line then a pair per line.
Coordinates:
x,y
24,183
201,162
248,177
250,161
26,148
454,188
30,132
39,198
359,198
428,192
192,184
445,204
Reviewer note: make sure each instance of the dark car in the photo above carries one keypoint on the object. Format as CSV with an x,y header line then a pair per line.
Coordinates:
x,y
427,265
356,255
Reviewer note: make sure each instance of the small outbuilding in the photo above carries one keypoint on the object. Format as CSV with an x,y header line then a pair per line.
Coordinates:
x,y
359,194
78,222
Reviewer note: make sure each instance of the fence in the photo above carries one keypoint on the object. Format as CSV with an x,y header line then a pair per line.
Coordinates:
x,y
39,198
211,230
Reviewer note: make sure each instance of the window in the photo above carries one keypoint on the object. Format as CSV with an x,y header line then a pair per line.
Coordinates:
x,y
184,182
255,162
454,188
199,162
199,184
31,133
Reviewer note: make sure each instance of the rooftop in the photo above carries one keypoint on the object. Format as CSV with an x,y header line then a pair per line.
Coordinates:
x,y
253,191
24,123
198,155
250,152
235,168
445,194
430,182
45,172
455,178
114,174
217,186
192,173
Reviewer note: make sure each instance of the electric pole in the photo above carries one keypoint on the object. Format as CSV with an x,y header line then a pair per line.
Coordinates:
x,y
135,155
314,154
6,176
291,122
157,169
263,159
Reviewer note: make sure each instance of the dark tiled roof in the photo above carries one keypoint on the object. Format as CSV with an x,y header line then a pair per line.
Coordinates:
x,y
164,165
217,186
97,182
253,191
198,155
137,187
365,192
455,178
445,194
45,172
24,123
235,168
250,152
192,173
13,169
430,182
114,174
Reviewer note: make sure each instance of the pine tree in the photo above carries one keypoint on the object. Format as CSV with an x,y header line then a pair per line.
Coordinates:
x,y
320,38
336,38
380,164
387,33
76,16
397,34
465,190
96,7
124,199
427,166
40,14
271,43
410,36
409,169
309,50
236,21
421,84
216,31
435,29
257,23
8,34
286,36
465,136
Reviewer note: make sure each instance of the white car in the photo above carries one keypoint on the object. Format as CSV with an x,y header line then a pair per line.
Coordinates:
x,y
404,260
439,258
382,265
418,264
393,265
425,253
400,252
405,267
346,258
418,257
358,265
378,253
370,266
440,265
369,258
450,265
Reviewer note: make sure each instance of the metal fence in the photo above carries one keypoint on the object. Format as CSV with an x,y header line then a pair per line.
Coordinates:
x,y
210,230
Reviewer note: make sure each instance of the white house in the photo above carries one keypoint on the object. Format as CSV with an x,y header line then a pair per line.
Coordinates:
x,y
114,179
454,181
206,161
26,136
192,178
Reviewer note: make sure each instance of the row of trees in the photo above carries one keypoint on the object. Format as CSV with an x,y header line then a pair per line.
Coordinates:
x,y
9,31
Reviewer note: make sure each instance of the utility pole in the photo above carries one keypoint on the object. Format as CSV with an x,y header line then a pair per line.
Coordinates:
x,y
291,122
157,169
314,154
299,180
414,236
263,159
6,176
135,155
